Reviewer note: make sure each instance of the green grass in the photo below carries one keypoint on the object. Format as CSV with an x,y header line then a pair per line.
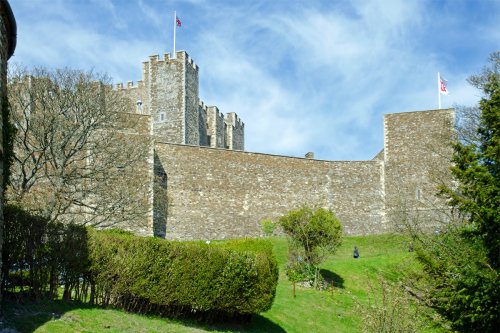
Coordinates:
x,y
311,311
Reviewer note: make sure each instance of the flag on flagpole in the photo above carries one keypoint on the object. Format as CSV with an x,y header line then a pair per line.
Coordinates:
x,y
177,23
442,86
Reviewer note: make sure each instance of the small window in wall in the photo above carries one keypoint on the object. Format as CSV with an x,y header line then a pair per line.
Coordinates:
x,y
418,194
139,106
162,117
209,139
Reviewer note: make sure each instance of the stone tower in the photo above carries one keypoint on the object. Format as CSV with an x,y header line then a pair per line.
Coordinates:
x,y
417,153
169,93
172,86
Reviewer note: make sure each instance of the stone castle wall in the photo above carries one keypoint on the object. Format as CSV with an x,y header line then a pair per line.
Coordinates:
x,y
417,155
137,131
222,191
218,193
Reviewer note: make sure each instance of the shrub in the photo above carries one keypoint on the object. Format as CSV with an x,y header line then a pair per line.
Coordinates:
x,y
391,309
311,234
151,275
268,227
37,254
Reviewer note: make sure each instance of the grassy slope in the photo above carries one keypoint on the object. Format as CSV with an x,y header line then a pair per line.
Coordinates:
x,y
310,311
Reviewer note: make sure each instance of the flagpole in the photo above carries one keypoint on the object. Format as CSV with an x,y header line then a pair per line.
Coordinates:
x,y
175,28
439,91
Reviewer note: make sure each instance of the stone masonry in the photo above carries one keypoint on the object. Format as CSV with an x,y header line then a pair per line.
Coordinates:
x,y
208,187
218,193
169,93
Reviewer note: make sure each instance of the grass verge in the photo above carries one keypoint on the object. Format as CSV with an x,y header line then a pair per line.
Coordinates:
x,y
335,310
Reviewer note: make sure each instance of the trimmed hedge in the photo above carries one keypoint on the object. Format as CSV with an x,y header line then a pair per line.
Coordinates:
x,y
151,275
147,275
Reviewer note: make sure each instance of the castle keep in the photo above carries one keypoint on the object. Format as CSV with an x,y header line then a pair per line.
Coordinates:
x,y
208,187
168,92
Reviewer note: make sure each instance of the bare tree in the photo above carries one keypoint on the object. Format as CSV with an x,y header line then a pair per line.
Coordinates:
x,y
79,155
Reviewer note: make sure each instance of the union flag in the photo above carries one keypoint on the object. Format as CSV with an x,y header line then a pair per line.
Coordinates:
x,y
442,86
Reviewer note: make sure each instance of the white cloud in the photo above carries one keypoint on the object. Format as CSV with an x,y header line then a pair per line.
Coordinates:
x,y
303,76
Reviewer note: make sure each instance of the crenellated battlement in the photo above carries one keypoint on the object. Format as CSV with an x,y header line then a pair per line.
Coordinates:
x,y
169,92
216,112
234,119
130,85
167,57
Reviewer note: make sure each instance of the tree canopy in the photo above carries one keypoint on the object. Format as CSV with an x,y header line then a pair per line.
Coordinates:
x,y
77,152
462,262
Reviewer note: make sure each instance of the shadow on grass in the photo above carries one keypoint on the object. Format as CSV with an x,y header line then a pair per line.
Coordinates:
x,y
332,278
28,316
257,324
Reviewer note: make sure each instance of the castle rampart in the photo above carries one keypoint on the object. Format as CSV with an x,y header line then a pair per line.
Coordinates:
x,y
218,193
417,151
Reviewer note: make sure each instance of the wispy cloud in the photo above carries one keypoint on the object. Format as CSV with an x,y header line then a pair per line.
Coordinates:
x,y
303,76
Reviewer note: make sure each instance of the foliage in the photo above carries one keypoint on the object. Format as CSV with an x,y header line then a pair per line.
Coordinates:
x,y
313,311
391,310
462,263
146,275
459,282
298,271
8,133
151,275
37,254
75,152
312,234
268,227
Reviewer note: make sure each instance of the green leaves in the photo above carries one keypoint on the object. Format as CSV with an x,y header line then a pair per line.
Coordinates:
x,y
311,234
463,263
237,277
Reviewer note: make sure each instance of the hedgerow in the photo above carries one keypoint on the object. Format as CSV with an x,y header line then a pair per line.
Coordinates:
x,y
150,275
141,274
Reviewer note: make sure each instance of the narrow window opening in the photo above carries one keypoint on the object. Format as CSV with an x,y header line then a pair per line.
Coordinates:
x,y
139,106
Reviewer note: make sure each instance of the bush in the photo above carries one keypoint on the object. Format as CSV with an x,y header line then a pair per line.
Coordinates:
x,y
37,254
268,227
391,309
151,275
311,235
145,275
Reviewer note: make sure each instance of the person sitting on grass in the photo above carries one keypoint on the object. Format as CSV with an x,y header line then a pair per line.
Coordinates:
x,y
356,252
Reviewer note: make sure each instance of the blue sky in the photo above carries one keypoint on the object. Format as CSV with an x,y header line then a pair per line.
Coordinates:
x,y
303,75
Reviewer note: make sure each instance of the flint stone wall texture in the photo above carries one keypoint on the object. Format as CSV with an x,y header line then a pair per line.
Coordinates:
x,y
417,154
217,193
139,131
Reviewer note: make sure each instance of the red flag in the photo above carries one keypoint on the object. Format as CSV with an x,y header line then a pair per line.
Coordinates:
x,y
442,86
177,21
